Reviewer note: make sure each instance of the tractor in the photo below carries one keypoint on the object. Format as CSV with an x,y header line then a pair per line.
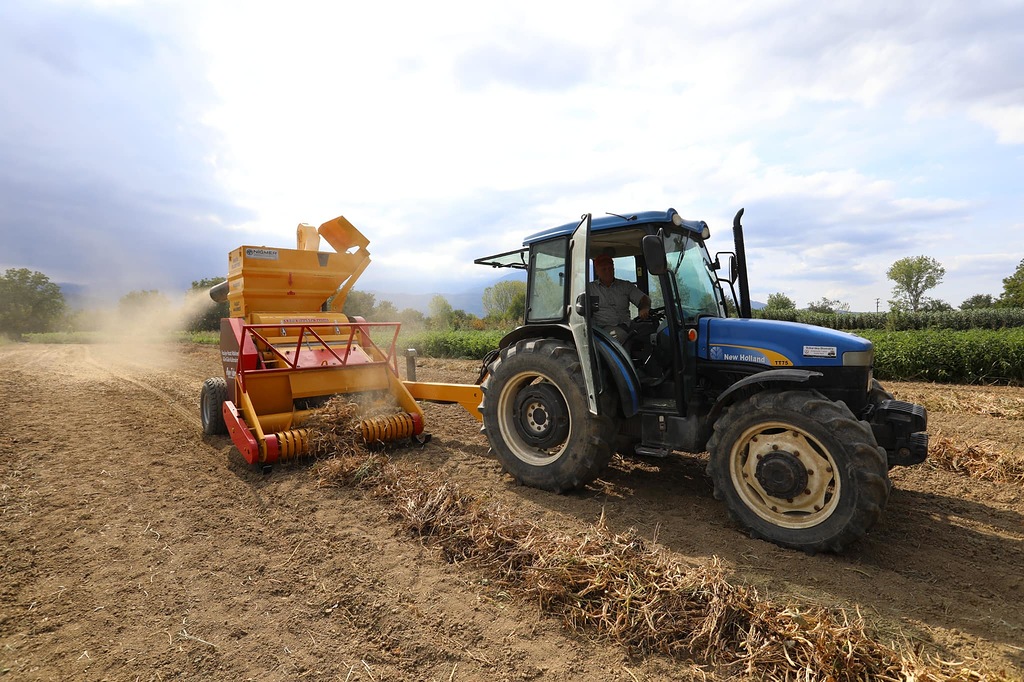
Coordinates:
x,y
800,436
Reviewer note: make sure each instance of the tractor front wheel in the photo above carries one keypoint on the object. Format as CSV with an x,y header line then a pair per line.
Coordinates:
x,y
537,420
799,470
211,406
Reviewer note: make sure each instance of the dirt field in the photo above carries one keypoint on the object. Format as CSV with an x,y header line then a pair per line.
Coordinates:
x,y
135,548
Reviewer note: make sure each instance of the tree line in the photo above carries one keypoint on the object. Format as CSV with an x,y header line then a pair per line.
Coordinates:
x,y
31,303
913,277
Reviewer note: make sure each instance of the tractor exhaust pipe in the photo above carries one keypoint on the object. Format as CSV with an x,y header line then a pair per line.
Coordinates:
x,y
741,265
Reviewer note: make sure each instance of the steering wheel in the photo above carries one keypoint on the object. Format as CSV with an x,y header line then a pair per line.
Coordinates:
x,y
654,316
639,325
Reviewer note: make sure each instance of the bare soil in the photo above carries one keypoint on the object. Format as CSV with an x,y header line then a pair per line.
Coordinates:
x,y
133,547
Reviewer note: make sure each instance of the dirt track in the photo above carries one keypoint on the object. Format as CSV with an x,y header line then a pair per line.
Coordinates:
x,y
135,548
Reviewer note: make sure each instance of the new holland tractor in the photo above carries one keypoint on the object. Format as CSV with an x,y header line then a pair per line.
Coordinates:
x,y
800,435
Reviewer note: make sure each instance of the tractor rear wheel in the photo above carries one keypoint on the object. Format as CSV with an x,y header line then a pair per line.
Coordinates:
x,y
211,406
799,470
537,420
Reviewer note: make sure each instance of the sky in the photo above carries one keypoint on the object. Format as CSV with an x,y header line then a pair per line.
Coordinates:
x,y
141,141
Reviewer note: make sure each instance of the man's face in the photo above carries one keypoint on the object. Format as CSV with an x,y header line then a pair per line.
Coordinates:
x,y
605,271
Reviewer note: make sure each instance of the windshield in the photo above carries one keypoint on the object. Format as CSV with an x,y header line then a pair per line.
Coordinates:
x,y
690,266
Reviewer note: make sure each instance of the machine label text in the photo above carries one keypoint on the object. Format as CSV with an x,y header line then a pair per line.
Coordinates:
x,y
265,254
819,351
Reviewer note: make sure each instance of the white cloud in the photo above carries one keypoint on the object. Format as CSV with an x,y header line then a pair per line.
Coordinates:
x,y
1006,121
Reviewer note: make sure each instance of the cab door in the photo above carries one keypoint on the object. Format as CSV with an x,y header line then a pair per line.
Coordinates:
x,y
579,310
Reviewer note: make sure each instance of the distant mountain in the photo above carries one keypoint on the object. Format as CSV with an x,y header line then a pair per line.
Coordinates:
x,y
79,297
472,300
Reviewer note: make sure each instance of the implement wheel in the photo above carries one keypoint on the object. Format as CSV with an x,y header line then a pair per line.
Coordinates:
x,y
799,470
211,406
537,420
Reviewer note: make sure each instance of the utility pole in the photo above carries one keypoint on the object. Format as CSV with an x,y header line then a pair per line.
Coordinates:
x,y
876,304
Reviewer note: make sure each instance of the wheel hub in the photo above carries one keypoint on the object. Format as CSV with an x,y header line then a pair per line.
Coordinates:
x,y
781,474
541,416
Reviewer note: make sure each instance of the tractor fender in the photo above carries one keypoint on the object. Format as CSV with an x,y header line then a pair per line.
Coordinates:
x,y
612,357
755,383
537,331
616,362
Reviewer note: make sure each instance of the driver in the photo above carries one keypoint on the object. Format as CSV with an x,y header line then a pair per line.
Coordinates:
x,y
613,297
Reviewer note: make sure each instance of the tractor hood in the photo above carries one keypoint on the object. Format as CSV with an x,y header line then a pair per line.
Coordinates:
x,y
774,343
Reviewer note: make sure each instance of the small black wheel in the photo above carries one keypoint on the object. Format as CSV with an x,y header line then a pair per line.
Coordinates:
x,y
799,470
211,406
537,420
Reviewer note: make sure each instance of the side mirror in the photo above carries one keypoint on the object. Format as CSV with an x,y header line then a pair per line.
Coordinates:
x,y
730,265
654,254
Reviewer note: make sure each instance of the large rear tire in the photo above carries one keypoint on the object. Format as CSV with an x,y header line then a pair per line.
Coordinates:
x,y
537,420
799,470
211,406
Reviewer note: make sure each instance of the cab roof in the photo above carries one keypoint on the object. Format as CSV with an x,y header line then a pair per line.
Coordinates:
x,y
519,258
612,222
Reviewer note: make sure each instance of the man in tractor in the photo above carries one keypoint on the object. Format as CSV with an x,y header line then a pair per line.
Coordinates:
x,y
613,297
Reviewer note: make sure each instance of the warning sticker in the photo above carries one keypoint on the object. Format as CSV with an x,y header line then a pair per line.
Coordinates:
x,y
819,351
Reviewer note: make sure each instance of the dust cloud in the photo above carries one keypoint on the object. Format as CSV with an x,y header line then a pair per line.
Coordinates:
x,y
138,332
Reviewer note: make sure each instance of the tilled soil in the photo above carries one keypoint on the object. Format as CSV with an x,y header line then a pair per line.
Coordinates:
x,y
133,547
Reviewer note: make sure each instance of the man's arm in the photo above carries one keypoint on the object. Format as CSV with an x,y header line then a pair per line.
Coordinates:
x,y
644,306
641,300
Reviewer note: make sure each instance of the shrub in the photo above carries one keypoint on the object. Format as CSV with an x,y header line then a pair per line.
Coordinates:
x,y
473,345
975,356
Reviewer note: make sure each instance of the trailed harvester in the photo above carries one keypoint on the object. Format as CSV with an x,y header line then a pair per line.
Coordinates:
x,y
286,348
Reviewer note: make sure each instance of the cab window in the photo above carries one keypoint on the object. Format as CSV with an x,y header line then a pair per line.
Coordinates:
x,y
546,297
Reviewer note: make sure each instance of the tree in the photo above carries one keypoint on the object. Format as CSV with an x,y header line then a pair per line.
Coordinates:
x,y
443,317
828,306
29,302
411,318
730,306
505,300
440,313
142,301
978,301
359,304
204,313
1013,289
780,301
385,312
934,305
912,276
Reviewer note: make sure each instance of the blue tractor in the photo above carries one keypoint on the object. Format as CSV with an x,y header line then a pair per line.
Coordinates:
x,y
800,436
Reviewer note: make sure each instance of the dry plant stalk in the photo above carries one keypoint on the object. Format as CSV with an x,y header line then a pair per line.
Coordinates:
x,y
977,461
966,402
622,587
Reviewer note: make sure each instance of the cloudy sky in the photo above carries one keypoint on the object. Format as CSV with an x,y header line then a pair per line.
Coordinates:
x,y
141,141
